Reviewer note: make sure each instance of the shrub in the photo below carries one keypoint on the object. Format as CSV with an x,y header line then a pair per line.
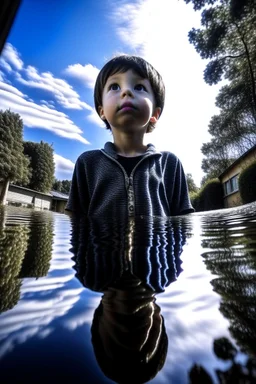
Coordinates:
x,y
15,203
247,184
195,198
209,197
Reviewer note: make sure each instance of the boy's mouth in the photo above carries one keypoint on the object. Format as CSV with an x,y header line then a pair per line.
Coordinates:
x,y
126,106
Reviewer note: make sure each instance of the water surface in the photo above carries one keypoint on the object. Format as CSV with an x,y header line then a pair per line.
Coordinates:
x,y
99,301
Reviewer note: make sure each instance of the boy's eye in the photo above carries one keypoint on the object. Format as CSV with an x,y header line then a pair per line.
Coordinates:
x,y
140,87
114,87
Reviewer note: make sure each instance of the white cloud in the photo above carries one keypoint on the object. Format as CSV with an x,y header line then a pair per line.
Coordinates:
x,y
86,73
10,58
65,95
37,116
47,103
160,35
63,165
5,66
9,88
132,23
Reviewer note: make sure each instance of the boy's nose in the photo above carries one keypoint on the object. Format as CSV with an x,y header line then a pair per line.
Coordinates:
x,y
127,91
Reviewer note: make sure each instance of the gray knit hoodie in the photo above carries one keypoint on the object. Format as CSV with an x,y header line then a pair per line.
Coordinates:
x,y
156,187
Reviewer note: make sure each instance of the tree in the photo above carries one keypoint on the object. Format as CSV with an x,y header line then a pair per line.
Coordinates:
x,y
233,130
217,158
237,7
191,184
66,185
61,186
57,185
14,165
42,164
227,41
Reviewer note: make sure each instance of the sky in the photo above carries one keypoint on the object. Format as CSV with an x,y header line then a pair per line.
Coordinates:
x,y
55,50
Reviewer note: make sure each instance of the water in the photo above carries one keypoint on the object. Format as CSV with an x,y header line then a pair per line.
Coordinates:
x,y
158,301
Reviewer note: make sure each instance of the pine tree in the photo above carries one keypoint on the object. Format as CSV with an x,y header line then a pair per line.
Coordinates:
x,y
14,165
42,164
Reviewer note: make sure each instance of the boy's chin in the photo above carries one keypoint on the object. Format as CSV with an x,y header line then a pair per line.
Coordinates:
x,y
131,127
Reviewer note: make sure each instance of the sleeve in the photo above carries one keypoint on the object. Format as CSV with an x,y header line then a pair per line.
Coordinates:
x,y
180,204
78,200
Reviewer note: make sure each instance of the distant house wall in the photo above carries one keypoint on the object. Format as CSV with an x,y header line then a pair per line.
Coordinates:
x,y
229,178
59,201
25,196
55,201
43,202
59,205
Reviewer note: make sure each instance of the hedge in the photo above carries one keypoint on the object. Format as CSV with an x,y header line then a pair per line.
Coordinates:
x,y
209,197
247,184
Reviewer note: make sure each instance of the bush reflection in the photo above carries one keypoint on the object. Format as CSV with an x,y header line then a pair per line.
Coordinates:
x,y
237,373
231,257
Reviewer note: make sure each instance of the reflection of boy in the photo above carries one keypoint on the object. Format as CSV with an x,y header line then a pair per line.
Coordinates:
x,y
128,178
128,333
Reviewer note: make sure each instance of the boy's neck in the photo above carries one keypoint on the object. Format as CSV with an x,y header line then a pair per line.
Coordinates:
x,y
129,146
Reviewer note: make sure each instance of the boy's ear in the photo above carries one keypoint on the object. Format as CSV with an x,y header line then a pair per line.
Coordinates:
x,y
155,116
101,113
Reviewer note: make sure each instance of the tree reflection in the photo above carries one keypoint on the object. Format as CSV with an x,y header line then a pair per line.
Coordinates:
x,y
2,217
38,255
13,244
237,373
25,252
130,264
232,258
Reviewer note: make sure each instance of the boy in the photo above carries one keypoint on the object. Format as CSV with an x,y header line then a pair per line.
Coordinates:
x,y
127,178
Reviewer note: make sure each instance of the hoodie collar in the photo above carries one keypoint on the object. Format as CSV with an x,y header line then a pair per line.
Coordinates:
x,y
110,149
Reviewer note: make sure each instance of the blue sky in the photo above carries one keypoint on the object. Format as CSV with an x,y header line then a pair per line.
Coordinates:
x,y
55,50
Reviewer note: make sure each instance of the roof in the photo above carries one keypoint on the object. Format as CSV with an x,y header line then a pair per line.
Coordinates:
x,y
31,190
54,194
59,195
237,160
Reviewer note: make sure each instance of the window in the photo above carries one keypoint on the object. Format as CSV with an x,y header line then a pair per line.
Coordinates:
x,y
231,185
234,183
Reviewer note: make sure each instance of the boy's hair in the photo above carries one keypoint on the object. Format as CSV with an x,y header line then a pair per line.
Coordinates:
x,y
123,63
121,353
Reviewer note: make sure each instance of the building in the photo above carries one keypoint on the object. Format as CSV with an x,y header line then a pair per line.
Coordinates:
x,y
59,201
229,178
26,197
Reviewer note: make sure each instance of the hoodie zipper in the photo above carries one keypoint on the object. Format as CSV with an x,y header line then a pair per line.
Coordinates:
x,y
129,182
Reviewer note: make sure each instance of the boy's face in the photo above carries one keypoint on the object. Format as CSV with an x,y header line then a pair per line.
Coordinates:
x,y
128,102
